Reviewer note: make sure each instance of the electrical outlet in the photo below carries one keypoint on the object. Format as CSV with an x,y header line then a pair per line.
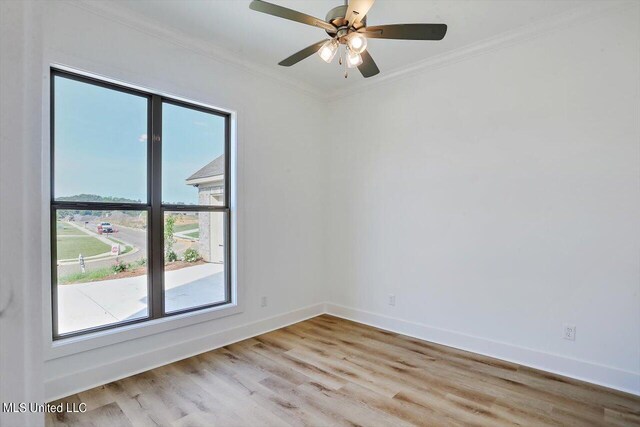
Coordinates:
x,y
263,302
569,332
392,299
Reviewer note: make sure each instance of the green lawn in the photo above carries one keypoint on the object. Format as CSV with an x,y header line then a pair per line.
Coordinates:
x,y
63,229
181,227
89,276
194,235
101,273
71,247
123,248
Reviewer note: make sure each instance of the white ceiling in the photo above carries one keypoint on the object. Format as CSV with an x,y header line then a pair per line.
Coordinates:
x,y
266,39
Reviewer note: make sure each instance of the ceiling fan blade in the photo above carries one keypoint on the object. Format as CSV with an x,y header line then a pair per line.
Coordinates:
x,y
357,9
290,14
304,53
406,31
368,68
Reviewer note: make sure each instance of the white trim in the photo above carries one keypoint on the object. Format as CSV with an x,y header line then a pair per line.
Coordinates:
x,y
77,344
213,178
75,382
82,71
220,53
606,376
583,370
144,24
67,346
518,35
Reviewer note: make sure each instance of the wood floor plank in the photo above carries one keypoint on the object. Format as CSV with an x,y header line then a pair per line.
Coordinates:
x,y
272,367
350,411
292,396
405,411
235,392
321,376
383,365
501,378
331,371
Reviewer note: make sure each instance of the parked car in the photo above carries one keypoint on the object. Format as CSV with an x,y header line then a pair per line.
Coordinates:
x,y
105,227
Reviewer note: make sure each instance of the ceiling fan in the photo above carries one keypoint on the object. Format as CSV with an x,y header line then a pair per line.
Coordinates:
x,y
347,25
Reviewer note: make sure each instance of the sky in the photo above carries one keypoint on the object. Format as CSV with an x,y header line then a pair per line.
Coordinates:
x,y
100,144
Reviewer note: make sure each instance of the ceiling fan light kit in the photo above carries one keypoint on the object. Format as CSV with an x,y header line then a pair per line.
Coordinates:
x,y
328,50
354,59
347,25
357,42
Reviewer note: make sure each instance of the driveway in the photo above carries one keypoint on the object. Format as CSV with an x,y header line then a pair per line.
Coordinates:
x,y
87,305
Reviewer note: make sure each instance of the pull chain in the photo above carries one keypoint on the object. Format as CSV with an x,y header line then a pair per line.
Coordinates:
x,y
346,68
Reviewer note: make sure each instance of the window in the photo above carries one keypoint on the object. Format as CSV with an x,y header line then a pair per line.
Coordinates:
x,y
140,217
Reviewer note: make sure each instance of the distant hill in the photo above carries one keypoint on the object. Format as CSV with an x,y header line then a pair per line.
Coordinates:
x,y
65,213
95,198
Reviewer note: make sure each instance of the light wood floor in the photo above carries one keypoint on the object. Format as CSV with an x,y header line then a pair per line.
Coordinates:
x,y
329,371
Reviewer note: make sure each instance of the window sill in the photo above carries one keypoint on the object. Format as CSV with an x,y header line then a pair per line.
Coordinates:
x,y
72,345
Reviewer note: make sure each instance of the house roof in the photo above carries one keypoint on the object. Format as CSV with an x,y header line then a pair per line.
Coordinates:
x,y
216,167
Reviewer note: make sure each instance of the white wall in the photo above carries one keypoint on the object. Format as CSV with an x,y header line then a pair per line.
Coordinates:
x,y
498,198
20,336
280,184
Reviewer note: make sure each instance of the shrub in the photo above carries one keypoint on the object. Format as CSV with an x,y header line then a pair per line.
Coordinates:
x,y
119,267
171,256
169,239
191,255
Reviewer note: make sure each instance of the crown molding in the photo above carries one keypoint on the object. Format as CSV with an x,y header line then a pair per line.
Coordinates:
x,y
503,40
218,53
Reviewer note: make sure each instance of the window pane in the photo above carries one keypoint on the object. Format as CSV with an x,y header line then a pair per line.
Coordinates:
x,y
194,259
100,148
192,156
101,267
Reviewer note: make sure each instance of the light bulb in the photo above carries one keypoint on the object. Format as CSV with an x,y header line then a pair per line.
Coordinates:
x,y
357,42
328,50
353,58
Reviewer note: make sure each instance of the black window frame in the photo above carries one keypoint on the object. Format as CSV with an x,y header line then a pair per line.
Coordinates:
x,y
153,206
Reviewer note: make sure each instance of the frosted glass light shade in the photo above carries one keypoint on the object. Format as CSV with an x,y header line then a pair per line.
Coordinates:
x,y
353,59
328,50
357,42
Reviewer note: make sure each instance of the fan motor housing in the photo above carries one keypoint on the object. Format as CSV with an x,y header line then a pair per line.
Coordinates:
x,y
337,15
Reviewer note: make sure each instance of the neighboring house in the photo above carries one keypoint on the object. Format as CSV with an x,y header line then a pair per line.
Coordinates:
x,y
210,184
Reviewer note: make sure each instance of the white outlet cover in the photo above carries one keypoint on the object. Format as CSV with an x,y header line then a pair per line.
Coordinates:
x,y
569,332
392,299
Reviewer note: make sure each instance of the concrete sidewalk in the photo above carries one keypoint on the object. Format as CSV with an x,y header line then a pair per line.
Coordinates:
x,y
184,234
87,305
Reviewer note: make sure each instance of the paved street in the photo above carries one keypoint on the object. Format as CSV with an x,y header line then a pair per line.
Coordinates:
x,y
133,236
93,304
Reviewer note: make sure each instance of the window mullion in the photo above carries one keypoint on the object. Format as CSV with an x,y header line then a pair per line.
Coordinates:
x,y
156,237
227,161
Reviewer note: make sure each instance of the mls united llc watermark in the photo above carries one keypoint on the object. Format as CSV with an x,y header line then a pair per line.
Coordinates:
x,y
23,407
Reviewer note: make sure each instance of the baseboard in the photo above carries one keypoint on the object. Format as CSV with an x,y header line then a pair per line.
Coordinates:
x,y
76,382
579,369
